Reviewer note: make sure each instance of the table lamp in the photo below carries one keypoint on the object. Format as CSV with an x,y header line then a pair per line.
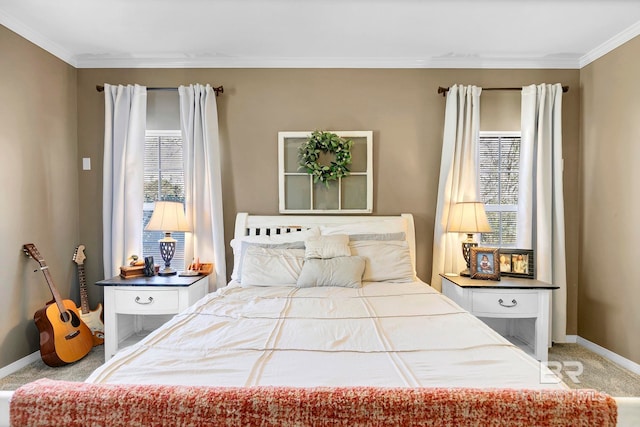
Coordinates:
x,y
469,218
168,217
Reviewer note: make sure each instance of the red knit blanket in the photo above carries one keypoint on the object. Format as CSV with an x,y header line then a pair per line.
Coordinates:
x,y
59,403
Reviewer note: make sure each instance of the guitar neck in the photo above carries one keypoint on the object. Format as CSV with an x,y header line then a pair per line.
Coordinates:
x,y
84,297
54,291
31,250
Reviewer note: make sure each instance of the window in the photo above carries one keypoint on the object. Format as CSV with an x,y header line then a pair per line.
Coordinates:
x,y
163,180
499,169
351,194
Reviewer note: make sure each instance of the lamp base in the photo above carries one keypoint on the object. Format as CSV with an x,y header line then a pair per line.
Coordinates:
x,y
466,253
167,249
167,272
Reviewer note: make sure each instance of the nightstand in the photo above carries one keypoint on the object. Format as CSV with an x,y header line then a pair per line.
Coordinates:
x,y
518,309
135,306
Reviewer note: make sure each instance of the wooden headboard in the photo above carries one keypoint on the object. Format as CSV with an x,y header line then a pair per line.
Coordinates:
x,y
256,225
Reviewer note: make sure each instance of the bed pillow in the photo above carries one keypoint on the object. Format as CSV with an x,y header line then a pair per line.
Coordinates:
x,y
379,236
327,246
245,245
269,266
345,272
392,225
294,236
386,261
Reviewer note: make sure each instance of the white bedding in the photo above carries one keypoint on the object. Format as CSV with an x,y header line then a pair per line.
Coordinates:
x,y
382,334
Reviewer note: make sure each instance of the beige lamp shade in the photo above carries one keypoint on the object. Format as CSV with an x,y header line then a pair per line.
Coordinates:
x,y
168,217
468,217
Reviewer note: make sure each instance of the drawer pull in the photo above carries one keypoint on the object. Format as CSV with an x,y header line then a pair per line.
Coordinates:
x,y
513,303
149,301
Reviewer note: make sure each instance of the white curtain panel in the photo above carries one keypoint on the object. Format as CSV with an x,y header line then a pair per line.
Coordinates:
x,y
202,174
123,174
458,175
541,198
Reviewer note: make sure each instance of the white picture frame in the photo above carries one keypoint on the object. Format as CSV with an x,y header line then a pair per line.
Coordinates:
x,y
298,194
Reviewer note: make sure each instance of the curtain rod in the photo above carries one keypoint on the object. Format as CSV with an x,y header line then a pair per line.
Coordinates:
x,y
444,90
218,90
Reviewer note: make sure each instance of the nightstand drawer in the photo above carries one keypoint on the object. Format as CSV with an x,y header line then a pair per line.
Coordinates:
x,y
504,303
143,301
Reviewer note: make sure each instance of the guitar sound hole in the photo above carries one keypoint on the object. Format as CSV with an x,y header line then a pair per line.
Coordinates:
x,y
70,316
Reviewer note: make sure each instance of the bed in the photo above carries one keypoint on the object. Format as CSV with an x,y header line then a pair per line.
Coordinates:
x,y
331,305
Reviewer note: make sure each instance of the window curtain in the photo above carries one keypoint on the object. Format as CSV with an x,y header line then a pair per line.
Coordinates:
x,y
123,170
541,199
202,175
458,175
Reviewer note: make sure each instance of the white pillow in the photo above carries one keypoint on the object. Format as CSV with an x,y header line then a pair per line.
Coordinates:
x,y
386,261
294,236
392,225
269,267
341,271
327,246
245,245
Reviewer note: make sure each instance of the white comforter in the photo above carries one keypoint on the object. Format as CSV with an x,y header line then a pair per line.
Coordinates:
x,y
383,334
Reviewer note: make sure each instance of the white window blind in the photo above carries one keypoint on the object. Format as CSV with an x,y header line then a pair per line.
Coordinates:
x,y
499,173
163,180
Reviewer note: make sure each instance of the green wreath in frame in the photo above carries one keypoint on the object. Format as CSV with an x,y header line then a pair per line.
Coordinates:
x,y
320,142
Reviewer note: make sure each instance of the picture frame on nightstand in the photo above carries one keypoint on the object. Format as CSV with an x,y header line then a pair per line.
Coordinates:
x,y
517,263
485,263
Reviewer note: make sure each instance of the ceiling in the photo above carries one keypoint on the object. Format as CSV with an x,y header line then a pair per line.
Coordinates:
x,y
325,33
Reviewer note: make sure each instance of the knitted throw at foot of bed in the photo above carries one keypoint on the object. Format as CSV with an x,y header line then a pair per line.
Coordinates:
x,y
60,403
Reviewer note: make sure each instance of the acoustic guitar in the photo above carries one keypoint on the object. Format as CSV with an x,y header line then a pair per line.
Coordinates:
x,y
91,318
64,338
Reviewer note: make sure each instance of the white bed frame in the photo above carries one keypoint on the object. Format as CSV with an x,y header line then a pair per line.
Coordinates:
x,y
628,407
252,225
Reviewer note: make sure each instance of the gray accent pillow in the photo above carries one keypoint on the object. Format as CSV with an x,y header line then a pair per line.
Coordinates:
x,y
378,236
345,272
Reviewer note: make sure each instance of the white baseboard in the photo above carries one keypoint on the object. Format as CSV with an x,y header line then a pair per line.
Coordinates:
x,y
571,339
19,364
614,357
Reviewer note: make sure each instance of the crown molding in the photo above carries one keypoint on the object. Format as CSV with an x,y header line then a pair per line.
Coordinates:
x,y
36,38
611,44
446,61
556,62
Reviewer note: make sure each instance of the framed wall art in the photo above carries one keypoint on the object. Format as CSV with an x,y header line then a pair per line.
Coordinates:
x,y
485,263
313,179
517,263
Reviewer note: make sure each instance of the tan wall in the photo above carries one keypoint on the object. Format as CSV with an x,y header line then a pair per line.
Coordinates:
x,y
49,121
39,176
400,106
609,290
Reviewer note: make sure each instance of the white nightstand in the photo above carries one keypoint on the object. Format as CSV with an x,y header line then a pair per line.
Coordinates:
x,y
131,305
518,309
